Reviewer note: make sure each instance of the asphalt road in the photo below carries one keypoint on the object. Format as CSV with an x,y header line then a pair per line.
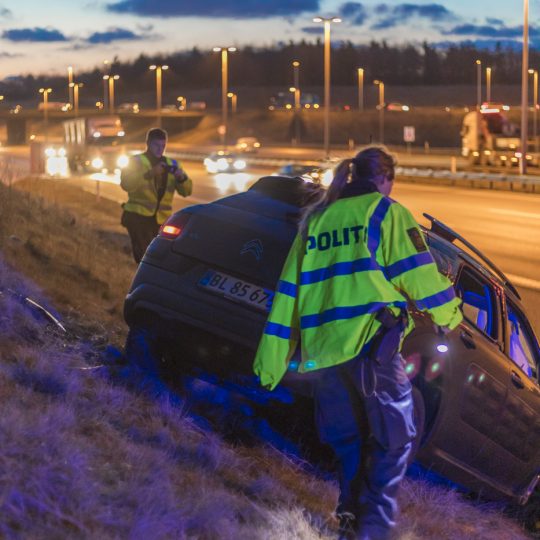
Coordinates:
x,y
503,225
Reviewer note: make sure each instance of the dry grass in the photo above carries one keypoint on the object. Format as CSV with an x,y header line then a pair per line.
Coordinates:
x,y
87,453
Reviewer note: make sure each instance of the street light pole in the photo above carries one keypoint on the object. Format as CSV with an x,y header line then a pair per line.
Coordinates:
x,y
75,88
360,89
46,92
534,73
234,99
488,84
524,88
381,110
224,84
111,79
70,85
478,84
327,45
158,70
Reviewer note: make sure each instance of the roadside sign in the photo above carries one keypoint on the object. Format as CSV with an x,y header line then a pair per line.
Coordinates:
x,y
408,134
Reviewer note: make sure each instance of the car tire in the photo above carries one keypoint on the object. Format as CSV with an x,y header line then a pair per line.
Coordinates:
x,y
419,413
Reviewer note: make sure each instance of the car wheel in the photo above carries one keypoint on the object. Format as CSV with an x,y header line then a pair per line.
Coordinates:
x,y
419,421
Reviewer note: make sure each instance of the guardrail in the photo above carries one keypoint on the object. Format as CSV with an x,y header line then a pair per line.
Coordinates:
x,y
443,177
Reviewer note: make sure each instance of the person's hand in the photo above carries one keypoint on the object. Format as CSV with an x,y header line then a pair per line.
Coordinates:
x,y
180,175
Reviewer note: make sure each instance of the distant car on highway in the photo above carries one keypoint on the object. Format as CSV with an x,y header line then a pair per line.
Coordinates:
x,y
317,172
247,144
224,162
397,107
129,107
201,295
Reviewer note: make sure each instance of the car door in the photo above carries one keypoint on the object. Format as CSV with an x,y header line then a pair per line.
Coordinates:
x,y
483,373
519,424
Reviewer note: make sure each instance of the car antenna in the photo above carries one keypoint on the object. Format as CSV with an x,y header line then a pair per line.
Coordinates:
x,y
439,228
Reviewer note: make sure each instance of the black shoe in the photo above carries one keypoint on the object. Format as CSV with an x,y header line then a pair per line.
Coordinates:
x,y
347,526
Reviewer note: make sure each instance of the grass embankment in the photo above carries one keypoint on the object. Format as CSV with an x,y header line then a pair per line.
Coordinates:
x,y
87,454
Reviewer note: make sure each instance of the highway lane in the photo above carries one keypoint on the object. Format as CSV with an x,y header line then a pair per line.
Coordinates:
x,y
504,225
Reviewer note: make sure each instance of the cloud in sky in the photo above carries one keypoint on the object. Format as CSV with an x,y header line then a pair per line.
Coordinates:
x,y
394,15
494,22
34,34
5,12
354,12
214,8
113,34
486,31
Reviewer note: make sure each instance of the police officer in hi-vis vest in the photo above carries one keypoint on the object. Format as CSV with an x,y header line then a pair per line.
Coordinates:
x,y
342,299
151,180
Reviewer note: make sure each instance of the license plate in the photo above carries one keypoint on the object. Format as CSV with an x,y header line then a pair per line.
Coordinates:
x,y
237,289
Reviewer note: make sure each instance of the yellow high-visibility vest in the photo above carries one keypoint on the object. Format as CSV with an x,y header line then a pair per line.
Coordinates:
x,y
143,196
358,256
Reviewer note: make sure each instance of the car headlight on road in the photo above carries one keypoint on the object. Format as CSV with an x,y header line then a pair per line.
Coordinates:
x,y
96,134
122,161
61,152
97,163
50,152
239,164
222,164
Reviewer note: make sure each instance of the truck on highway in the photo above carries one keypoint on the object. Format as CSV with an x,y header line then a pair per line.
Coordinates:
x,y
95,144
489,138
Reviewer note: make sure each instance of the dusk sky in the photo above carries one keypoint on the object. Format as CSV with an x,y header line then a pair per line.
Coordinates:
x,y
39,36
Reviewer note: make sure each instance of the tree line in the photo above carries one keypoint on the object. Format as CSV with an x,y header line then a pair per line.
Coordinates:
x,y
406,64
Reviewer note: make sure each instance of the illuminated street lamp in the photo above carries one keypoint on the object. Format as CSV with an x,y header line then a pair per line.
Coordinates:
x,y
224,83
107,65
182,103
234,100
534,73
360,89
524,88
296,84
70,85
488,84
111,79
327,22
380,84
158,70
75,89
478,84
45,92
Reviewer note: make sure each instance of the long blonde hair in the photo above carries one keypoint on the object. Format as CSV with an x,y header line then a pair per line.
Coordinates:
x,y
365,170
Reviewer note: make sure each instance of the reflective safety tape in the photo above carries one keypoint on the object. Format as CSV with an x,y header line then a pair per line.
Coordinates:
x,y
278,330
409,263
339,269
374,228
343,313
287,288
436,300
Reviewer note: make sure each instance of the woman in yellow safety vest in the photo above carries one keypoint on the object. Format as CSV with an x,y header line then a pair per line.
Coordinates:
x,y
342,298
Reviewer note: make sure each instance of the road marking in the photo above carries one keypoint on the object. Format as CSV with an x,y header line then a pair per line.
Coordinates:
x,y
517,213
524,282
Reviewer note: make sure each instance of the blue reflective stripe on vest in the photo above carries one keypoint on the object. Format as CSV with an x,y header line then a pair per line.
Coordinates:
x,y
287,288
341,313
278,330
338,269
374,228
409,263
436,300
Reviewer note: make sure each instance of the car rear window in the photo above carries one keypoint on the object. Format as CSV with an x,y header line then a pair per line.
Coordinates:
x,y
294,191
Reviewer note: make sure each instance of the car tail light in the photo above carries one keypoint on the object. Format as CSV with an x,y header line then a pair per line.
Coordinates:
x,y
174,226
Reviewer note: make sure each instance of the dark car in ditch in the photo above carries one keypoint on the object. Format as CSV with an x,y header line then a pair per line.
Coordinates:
x,y
201,295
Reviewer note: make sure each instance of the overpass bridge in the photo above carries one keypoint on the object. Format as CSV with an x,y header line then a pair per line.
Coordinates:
x,y
18,123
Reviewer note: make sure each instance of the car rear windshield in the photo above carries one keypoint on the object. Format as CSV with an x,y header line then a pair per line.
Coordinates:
x,y
294,191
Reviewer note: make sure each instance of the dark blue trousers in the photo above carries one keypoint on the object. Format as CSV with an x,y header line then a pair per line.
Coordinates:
x,y
364,411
